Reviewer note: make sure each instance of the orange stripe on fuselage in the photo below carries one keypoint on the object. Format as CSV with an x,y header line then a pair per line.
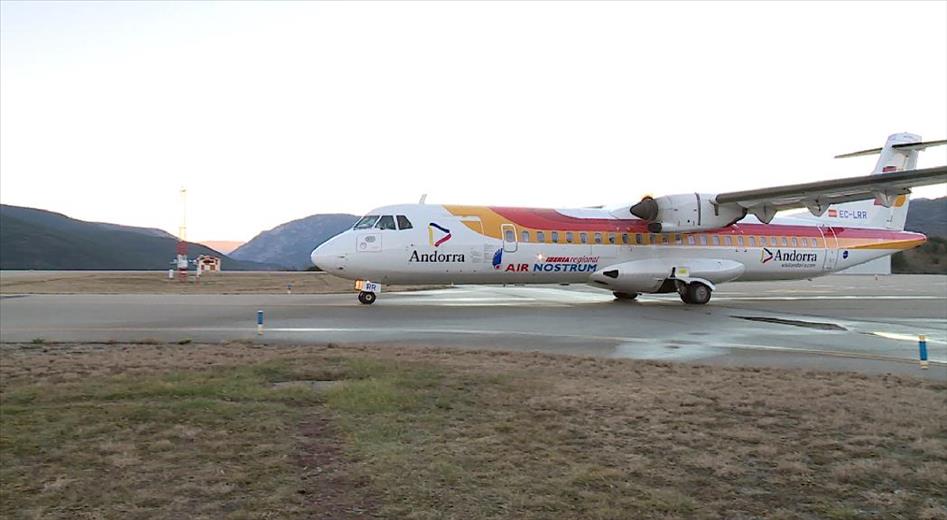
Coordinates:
x,y
900,245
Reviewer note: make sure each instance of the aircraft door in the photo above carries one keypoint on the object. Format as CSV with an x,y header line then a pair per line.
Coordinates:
x,y
368,242
508,231
831,248
480,253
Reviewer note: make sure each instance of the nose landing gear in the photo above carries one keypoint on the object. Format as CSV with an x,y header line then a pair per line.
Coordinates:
x,y
367,291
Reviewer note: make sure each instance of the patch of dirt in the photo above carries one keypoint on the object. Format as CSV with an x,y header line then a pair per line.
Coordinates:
x,y
327,482
157,282
318,386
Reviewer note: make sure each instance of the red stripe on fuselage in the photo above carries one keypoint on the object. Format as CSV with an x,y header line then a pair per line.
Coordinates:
x,y
551,219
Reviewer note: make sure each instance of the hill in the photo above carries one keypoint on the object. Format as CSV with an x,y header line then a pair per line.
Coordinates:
x,y
930,258
37,239
291,243
928,216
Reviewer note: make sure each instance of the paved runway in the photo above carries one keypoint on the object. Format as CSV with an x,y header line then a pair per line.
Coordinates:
x,y
837,322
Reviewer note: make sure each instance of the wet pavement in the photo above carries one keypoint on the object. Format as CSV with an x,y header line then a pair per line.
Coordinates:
x,y
836,323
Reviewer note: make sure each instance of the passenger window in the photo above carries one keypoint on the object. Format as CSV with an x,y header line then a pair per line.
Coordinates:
x,y
540,237
403,222
611,238
665,239
569,237
740,241
638,238
728,240
716,240
386,222
794,242
703,240
691,241
762,241
584,238
805,242
752,241
598,238
524,236
785,242
367,222
509,235
555,237
677,240
816,242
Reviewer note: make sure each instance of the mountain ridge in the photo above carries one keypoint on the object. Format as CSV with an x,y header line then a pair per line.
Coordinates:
x,y
290,243
32,238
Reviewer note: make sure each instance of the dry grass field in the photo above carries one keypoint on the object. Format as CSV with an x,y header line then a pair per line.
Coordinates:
x,y
243,430
154,282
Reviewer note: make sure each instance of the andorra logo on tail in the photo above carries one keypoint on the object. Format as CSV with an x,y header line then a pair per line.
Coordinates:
x,y
437,235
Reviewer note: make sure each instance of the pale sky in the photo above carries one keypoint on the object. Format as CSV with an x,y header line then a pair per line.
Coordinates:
x,y
269,112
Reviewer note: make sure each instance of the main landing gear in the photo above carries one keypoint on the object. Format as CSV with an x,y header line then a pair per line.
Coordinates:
x,y
694,293
624,296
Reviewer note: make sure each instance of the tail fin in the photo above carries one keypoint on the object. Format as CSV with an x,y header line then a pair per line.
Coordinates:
x,y
899,153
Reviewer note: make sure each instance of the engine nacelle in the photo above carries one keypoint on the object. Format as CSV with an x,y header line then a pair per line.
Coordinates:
x,y
686,212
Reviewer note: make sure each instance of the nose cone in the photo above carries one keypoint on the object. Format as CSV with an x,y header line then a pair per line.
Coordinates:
x,y
330,256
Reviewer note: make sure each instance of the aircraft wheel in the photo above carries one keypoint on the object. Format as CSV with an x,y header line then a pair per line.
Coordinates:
x,y
682,292
625,296
367,298
697,294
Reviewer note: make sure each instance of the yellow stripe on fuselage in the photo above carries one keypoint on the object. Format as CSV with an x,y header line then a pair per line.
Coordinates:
x,y
490,219
891,244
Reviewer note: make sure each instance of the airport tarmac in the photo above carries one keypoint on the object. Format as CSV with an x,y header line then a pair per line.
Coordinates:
x,y
843,322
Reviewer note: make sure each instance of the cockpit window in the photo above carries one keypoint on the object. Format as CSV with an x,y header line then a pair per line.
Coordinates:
x,y
366,222
386,222
403,222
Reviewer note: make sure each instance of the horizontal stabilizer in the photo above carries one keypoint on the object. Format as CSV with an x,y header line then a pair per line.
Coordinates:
x,y
903,146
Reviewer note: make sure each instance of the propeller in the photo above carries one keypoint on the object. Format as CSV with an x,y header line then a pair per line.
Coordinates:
x,y
647,209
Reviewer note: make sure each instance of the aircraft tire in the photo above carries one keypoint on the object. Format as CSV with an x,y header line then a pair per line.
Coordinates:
x,y
625,296
697,294
367,298
683,294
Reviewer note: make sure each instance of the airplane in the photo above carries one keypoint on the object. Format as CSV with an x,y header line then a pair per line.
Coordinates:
x,y
687,243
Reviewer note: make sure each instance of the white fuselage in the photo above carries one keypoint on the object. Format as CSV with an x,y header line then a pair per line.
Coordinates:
x,y
481,245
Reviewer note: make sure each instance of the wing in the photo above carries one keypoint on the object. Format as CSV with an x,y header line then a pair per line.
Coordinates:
x,y
817,196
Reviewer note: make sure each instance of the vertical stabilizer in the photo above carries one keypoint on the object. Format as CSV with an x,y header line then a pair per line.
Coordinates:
x,y
881,212
892,159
